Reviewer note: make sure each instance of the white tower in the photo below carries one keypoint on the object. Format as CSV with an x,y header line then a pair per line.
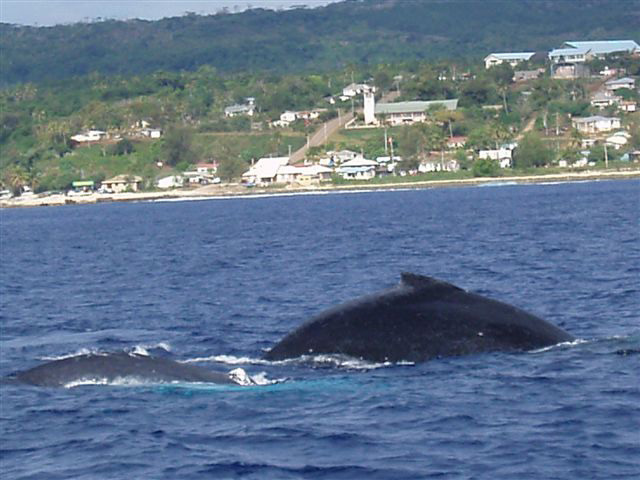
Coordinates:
x,y
369,107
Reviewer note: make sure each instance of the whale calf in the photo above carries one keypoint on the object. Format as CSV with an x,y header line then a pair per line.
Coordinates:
x,y
122,367
420,319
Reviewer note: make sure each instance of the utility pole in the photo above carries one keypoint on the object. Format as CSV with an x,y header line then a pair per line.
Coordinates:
x,y
386,149
606,156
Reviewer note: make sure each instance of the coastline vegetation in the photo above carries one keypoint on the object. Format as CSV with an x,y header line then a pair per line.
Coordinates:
x,y
38,120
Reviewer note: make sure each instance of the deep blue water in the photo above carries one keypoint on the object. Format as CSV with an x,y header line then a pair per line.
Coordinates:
x,y
222,280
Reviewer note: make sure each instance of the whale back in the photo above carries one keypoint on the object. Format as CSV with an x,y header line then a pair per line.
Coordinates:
x,y
116,367
419,319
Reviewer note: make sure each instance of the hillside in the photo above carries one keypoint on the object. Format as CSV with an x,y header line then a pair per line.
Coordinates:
x,y
327,38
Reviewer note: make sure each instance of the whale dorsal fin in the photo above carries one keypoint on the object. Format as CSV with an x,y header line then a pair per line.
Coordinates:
x,y
421,282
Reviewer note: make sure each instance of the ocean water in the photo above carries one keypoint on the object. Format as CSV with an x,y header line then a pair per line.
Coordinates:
x,y
216,282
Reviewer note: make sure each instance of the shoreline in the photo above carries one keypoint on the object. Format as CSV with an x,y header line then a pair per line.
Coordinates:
x,y
211,192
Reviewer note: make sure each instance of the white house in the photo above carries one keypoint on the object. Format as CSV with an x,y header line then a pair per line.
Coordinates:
x,y
122,183
172,181
338,157
512,59
603,99
151,132
265,170
403,113
595,124
626,82
358,169
354,89
89,136
235,110
617,140
438,165
303,175
504,156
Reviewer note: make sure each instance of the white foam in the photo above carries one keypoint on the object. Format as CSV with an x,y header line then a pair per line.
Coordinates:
x,y
324,360
143,350
78,353
572,343
117,382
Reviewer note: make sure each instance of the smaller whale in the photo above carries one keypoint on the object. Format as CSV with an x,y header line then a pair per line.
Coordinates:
x,y
419,319
108,368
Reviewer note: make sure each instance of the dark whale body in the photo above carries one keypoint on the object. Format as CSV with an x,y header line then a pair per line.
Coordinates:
x,y
110,367
419,319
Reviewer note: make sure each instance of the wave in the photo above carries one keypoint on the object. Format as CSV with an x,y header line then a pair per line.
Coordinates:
x,y
315,361
78,353
141,350
572,343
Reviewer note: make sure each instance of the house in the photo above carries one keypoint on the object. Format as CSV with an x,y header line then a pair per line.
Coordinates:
x,y
354,89
404,113
235,110
525,75
504,156
617,140
151,132
122,183
388,164
304,175
204,173
89,136
438,164
610,72
337,158
626,82
172,181
603,99
358,169
595,124
265,170
247,108
512,59
457,141
568,61
600,48
627,105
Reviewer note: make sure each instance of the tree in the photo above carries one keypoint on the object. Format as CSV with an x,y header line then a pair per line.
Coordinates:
x,y
231,168
502,76
178,146
485,167
449,117
123,147
532,152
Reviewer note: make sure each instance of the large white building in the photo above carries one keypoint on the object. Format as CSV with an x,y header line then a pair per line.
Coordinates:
x,y
512,59
404,113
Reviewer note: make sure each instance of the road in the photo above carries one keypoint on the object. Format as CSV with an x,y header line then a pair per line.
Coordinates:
x,y
327,129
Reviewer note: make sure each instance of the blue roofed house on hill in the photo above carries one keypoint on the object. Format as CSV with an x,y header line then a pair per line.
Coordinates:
x,y
569,60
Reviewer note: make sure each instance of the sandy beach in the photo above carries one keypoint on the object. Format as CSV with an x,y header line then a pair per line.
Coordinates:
x,y
236,190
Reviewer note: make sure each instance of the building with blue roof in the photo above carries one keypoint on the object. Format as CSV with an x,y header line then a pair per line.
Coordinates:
x,y
604,47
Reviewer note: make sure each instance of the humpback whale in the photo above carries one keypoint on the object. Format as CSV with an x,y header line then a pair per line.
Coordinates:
x,y
420,319
122,366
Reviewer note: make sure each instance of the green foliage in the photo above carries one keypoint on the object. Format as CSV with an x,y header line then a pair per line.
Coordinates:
x,y
178,146
123,147
343,33
485,167
231,168
532,152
